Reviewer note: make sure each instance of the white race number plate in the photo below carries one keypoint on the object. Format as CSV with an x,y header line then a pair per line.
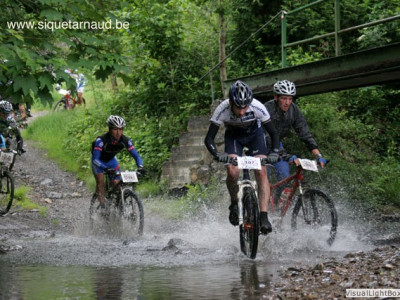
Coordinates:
x,y
249,162
310,165
129,176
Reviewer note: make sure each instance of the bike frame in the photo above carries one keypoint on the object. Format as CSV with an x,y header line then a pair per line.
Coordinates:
x,y
246,182
110,189
70,101
297,178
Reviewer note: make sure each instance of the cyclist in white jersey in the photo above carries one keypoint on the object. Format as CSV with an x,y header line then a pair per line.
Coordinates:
x,y
80,84
244,119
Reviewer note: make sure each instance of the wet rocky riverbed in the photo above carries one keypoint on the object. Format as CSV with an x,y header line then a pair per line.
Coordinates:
x,y
66,197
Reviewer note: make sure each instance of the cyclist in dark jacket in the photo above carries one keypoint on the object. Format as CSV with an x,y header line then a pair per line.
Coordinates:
x,y
286,115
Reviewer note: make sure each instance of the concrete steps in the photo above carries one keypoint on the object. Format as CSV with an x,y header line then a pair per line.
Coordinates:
x,y
190,152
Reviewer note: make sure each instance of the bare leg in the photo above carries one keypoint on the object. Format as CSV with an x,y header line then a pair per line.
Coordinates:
x,y
263,188
263,198
80,99
231,182
100,187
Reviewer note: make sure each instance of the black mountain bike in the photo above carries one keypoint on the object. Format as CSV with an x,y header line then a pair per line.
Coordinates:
x,y
249,214
6,181
121,201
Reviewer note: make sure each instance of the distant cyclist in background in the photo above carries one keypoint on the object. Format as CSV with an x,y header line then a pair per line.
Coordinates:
x,y
9,126
244,119
285,114
105,149
80,84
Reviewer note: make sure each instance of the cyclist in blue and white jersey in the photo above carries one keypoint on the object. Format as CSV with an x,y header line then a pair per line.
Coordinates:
x,y
104,151
244,119
80,84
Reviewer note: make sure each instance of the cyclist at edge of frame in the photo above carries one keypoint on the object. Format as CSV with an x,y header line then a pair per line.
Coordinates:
x,y
244,118
104,151
8,123
285,114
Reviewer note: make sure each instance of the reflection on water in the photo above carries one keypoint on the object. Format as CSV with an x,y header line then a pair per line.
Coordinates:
x,y
245,280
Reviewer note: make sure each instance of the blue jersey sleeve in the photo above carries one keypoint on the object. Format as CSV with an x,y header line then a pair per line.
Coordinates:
x,y
134,154
98,147
2,142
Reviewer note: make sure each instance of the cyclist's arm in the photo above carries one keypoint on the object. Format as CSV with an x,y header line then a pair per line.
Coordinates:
x,y
209,139
96,155
135,154
273,133
302,130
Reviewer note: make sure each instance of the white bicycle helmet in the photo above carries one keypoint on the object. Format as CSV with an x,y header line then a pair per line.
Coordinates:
x,y
284,87
240,94
116,122
5,106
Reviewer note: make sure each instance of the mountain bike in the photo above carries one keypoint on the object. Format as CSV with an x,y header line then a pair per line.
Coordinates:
x,y
67,102
312,207
6,181
249,213
121,201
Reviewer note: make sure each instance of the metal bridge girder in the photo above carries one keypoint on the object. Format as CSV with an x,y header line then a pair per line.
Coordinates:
x,y
368,67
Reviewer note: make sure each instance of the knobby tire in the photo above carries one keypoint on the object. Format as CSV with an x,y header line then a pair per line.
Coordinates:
x,y
132,210
315,208
60,105
250,228
6,191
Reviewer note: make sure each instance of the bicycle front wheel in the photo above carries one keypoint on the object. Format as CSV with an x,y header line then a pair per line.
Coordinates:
x,y
131,210
6,191
316,209
250,228
60,105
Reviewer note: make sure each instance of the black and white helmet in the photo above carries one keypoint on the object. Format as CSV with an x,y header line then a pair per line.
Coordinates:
x,y
5,106
240,94
116,122
284,87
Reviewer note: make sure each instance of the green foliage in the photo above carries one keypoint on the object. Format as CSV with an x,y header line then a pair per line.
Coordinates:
x,y
35,49
385,182
199,195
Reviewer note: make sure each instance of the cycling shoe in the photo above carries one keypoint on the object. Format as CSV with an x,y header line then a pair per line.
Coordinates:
x,y
234,214
265,225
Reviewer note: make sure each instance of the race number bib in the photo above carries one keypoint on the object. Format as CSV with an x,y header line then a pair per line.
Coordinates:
x,y
129,176
310,165
6,158
248,162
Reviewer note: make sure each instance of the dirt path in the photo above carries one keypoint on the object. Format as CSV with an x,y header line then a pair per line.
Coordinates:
x,y
64,196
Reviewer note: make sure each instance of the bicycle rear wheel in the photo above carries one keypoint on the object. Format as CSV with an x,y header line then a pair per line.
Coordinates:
x,y
6,191
316,209
131,210
250,228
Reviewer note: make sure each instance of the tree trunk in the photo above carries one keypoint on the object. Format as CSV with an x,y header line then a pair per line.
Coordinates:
x,y
114,83
222,53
